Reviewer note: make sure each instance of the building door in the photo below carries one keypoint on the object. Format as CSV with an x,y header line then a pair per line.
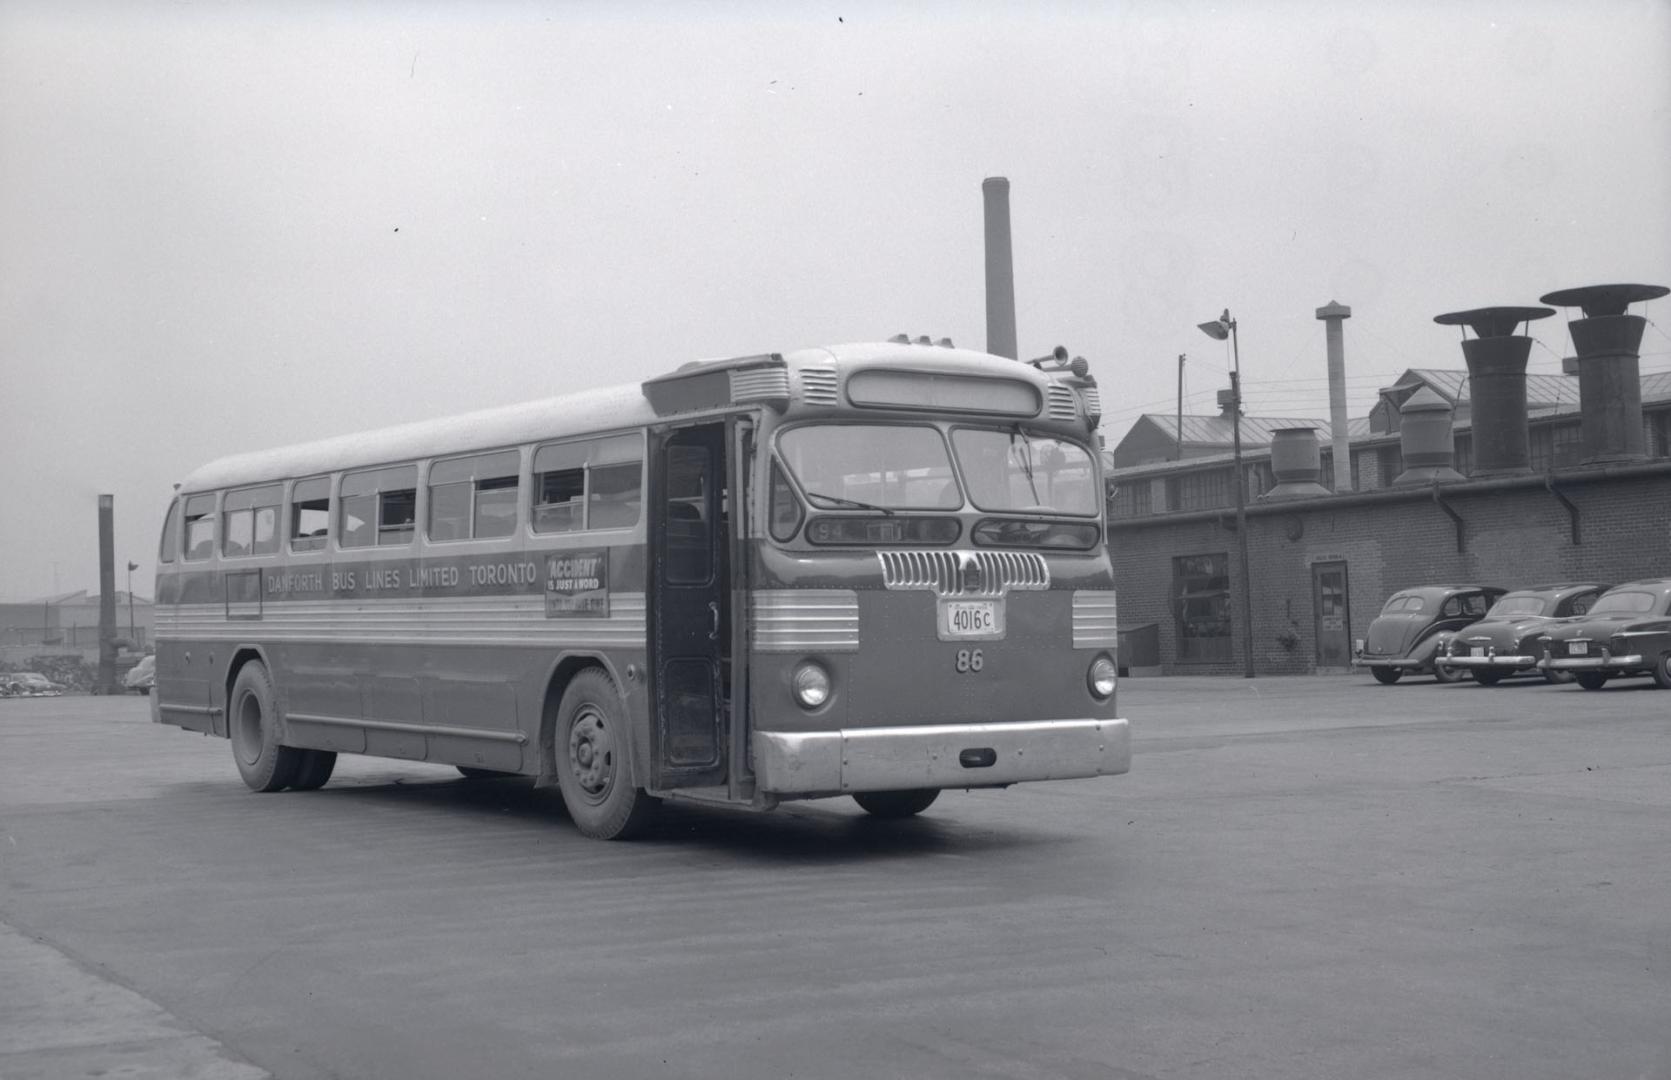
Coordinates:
x,y
1334,627
690,614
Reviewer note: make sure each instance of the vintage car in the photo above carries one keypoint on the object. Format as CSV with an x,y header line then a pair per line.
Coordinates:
x,y
1413,628
1626,632
142,676
30,684
1506,641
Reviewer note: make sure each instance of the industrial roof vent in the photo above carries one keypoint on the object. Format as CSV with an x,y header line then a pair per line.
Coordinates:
x,y
1496,358
1296,460
1425,440
1607,341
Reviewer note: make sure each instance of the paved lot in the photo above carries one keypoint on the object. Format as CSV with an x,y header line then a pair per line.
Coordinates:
x,y
1300,878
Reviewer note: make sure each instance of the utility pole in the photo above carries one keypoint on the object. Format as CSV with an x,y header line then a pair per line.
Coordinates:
x,y
107,594
1180,450
1219,329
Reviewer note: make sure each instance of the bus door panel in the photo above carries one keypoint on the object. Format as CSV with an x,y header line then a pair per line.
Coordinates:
x,y
691,615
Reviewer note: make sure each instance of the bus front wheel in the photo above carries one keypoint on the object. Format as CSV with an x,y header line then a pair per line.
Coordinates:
x,y
896,804
593,748
264,764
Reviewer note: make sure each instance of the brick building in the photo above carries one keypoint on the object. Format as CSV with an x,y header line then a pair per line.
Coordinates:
x,y
1526,486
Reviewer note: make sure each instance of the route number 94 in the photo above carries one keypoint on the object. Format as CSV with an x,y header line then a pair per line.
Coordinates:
x,y
969,660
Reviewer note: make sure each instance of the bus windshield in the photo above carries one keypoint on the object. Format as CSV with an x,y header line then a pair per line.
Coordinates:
x,y
1010,470
864,466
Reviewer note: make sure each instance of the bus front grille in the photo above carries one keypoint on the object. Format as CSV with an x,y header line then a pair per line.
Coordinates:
x,y
964,573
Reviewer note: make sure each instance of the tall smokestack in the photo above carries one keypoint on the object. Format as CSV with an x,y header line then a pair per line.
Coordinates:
x,y
1609,370
1496,359
1000,269
1333,314
107,594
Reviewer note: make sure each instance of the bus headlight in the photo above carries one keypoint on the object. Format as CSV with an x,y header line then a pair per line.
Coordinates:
x,y
811,685
1101,678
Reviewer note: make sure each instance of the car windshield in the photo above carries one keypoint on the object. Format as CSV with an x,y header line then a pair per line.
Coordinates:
x,y
1404,605
1519,604
1624,603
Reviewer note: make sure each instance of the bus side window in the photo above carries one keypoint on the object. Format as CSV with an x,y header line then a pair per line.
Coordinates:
x,y
614,495
474,497
310,513
170,533
379,506
200,527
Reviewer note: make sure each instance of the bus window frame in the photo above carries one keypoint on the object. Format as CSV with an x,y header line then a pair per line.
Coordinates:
x,y
933,423
380,495
589,461
212,516
474,480
168,545
1093,464
310,543
231,503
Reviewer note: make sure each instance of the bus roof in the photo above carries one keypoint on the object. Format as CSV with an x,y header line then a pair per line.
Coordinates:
x,y
604,409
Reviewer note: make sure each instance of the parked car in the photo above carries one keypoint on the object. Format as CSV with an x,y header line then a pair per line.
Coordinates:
x,y
31,684
1626,632
142,676
1413,628
1507,641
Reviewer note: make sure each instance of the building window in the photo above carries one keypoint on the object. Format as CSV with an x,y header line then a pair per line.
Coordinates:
x,y
1131,500
1390,463
1205,489
1201,591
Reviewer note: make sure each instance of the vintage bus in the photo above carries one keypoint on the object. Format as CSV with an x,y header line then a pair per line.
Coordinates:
x,y
874,570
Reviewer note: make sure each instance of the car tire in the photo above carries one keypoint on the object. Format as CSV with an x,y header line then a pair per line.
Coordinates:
x,y
263,762
1387,675
592,745
1447,674
1557,677
1662,671
1590,680
893,805
1487,677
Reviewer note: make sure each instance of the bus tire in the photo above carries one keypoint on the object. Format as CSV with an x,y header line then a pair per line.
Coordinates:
x,y
314,770
896,804
593,748
1590,680
264,764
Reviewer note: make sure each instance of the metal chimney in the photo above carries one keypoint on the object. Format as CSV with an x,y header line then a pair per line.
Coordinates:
x,y
1496,359
1000,269
1296,459
1607,341
1333,314
1425,440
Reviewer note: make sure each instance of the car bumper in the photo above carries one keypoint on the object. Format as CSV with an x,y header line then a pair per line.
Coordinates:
x,y
804,764
1503,663
1403,662
1605,662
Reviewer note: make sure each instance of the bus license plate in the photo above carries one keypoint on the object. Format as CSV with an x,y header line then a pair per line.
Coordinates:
x,y
965,619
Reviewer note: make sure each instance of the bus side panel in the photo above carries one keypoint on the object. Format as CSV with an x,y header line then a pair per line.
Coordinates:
x,y
317,679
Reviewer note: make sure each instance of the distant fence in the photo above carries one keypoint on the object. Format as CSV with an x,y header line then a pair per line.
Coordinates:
x,y
67,637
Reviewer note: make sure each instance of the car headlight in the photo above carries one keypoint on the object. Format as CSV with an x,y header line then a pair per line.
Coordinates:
x,y
810,684
1101,677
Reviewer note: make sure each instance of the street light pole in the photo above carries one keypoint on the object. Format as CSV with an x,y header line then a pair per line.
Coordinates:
x,y
132,566
1222,327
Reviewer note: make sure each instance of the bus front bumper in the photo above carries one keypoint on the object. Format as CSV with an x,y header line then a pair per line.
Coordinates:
x,y
804,764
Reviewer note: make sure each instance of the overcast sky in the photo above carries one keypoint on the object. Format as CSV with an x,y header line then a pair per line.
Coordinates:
x,y
227,227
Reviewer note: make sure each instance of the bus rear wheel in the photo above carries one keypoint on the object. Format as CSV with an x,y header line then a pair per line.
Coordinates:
x,y
896,804
263,762
315,770
593,748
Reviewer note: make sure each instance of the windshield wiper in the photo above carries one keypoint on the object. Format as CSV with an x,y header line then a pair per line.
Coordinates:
x,y
851,504
1026,460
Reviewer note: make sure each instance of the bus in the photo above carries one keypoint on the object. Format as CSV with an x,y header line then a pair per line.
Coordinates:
x,y
872,570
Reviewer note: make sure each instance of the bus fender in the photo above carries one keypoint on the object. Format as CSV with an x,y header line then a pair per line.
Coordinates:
x,y
563,669
220,691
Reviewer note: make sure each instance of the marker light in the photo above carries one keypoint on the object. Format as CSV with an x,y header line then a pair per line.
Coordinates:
x,y
811,685
1101,678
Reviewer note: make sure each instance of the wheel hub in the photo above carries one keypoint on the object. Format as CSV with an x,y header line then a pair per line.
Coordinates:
x,y
591,753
